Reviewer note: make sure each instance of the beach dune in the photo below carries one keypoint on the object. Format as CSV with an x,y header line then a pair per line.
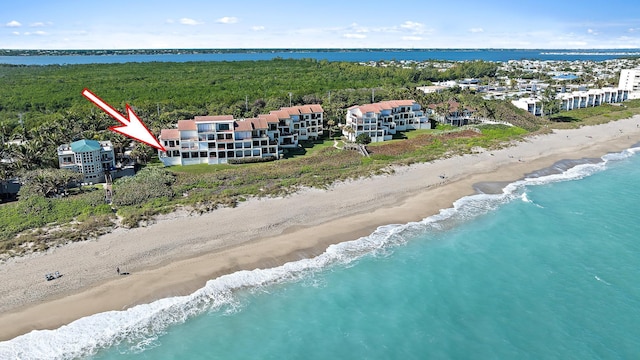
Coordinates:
x,y
179,252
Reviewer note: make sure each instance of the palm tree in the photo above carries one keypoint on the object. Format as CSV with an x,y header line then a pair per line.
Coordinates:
x,y
348,129
142,153
330,125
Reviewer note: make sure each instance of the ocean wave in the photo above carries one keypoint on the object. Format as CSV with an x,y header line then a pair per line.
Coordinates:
x,y
140,327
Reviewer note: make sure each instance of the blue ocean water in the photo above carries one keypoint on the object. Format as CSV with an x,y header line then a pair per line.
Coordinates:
x,y
546,270
349,55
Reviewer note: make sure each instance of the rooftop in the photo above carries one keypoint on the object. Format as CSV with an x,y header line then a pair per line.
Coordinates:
x,y
85,146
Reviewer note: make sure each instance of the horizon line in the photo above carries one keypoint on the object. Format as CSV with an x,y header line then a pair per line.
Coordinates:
x,y
318,48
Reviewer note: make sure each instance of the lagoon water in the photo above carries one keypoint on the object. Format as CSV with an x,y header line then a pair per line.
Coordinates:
x,y
549,269
349,55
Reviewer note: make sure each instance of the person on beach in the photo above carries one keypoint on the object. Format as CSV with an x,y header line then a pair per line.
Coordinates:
x,y
118,270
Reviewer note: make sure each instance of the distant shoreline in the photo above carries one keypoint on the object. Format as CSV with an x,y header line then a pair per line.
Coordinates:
x,y
90,56
180,253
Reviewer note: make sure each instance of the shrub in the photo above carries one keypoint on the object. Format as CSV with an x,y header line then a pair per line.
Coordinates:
x,y
251,160
363,138
148,184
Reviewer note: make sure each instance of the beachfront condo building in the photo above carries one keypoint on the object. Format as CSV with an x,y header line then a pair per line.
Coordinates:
x,y
630,81
591,98
382,120
575,100
91,158
217,139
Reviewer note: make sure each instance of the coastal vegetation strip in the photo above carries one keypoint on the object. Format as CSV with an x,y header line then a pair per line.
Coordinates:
x,y
41,108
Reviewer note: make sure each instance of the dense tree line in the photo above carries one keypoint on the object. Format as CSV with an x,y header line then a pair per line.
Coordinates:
x,y
42,107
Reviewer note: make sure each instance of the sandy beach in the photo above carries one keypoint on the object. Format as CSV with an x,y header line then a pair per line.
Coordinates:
x,y
179,252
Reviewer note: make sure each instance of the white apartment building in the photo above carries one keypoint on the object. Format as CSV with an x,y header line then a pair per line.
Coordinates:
x,y
216,139
89,157
575,100
630,81
383,119
592,97
532,105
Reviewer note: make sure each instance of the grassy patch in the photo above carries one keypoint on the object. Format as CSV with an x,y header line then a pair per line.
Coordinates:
x,y
595,115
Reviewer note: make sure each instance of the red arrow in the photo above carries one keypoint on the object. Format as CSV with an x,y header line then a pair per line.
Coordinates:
x,y
133,127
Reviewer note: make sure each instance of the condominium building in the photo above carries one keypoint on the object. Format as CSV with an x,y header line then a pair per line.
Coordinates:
x,y
216,139
629,79
89,157
575,99
592,97
383,119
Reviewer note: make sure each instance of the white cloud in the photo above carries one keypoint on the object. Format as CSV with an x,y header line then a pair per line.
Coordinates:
x,y
476,30
354,36
13,23
411,38
257,28
40,24
188,21
39,32
170,21
416,27
592,32
228,20
16,33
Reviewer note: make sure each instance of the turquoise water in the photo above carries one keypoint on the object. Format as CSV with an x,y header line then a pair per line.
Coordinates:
x,y
350,55
547,270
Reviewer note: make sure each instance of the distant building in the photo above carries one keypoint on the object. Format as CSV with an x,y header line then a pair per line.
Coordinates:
x,y
383,119
91,158
532,105
216,139
592,97
575,100
452,113
630,81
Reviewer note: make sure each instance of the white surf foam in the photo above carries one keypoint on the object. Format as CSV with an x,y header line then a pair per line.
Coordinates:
x,y
141,325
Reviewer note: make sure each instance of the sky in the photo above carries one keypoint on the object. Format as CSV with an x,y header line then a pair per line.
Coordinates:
x,y
146,24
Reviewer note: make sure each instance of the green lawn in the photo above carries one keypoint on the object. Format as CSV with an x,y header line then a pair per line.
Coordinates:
x,y
595,115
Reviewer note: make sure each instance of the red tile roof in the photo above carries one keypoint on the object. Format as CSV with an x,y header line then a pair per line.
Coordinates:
x,y
281,114
295,110
270,118
383,105
167,134
242,125
316,108
184,125
214,118
259,123
304,109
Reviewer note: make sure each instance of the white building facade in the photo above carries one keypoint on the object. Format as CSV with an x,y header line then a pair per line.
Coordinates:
x,y
383,119
216,139
630,81
575,100
91,158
